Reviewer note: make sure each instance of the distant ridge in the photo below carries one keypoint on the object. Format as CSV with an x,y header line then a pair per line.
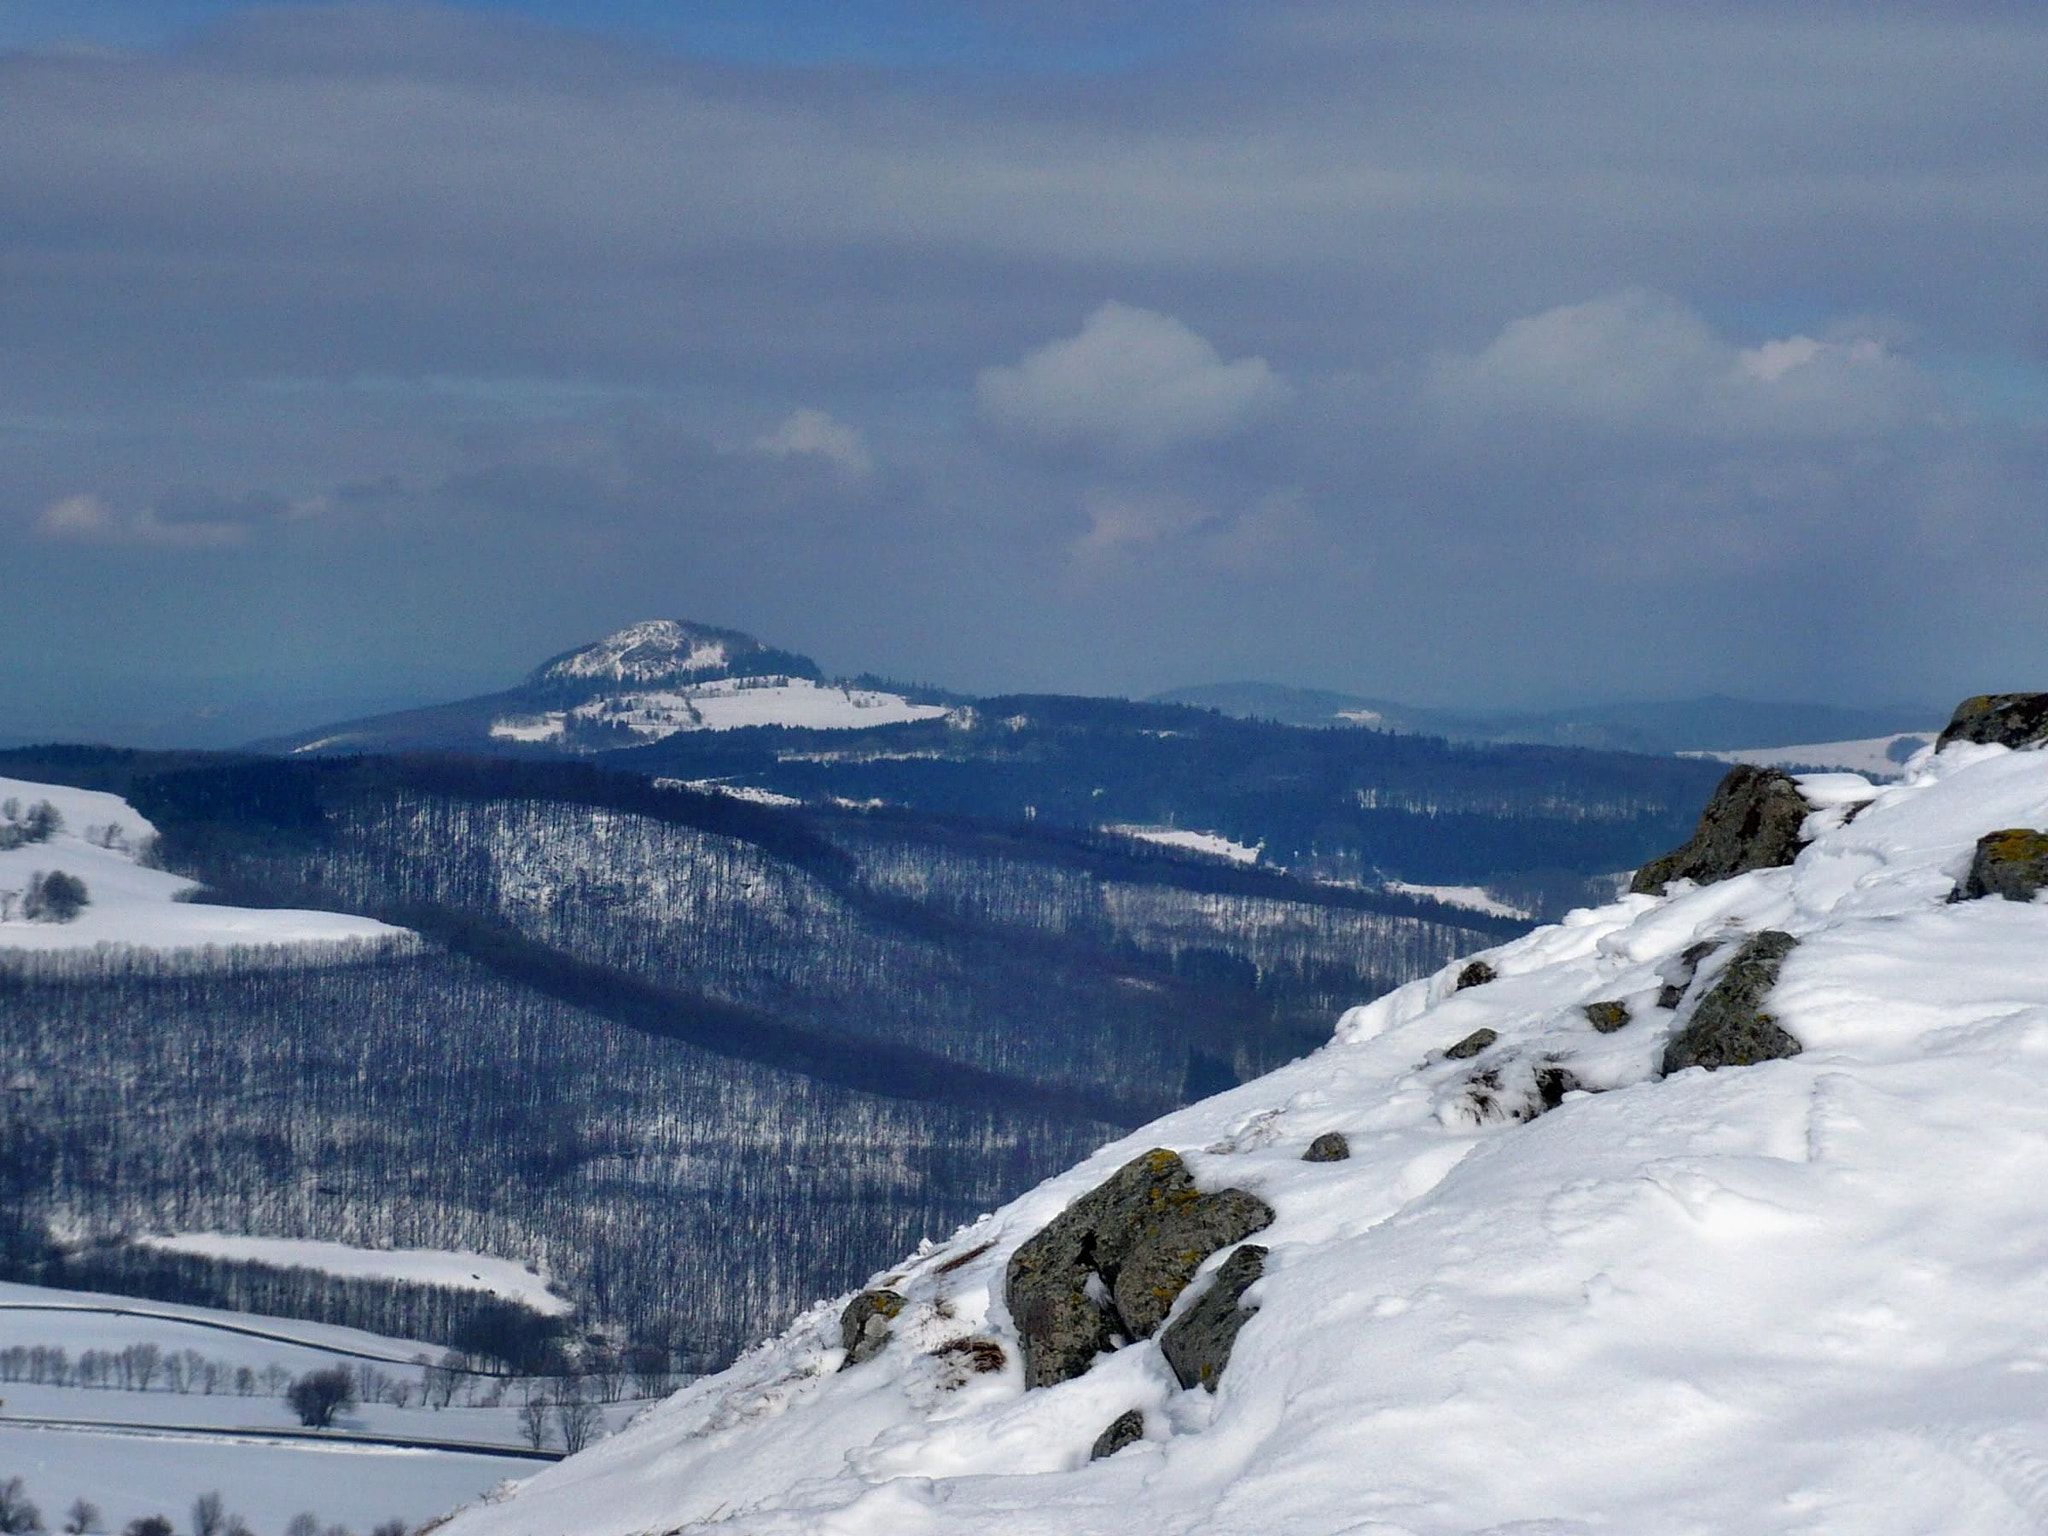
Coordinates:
x,y
1712,723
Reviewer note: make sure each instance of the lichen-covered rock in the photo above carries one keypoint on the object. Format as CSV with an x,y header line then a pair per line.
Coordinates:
x,y
1729,1026
1471,1045
1330,1147
1127,1428
1751,822
864,1325
1198,1344
1607,1016
1139,1236
2003,719
2012,864
1678,974
1476,974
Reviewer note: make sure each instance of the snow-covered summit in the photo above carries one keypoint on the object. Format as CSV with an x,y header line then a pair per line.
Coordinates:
x,y
660,651
1805,1296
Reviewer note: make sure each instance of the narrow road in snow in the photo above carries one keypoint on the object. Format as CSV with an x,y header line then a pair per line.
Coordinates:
x,y
346,1439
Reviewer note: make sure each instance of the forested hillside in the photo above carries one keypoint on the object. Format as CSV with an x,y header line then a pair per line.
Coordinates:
x,y
698,1058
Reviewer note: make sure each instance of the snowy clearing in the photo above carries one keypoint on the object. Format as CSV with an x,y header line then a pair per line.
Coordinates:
x,y
422,1266
129,904
1883,756
747,792
1215,844
1474,898
732,704
1805,1296
527,728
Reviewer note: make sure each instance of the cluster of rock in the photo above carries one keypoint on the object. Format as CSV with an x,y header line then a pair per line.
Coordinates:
x,y
1109,1269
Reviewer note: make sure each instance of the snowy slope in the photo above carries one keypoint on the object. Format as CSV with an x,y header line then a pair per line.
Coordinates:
x,y
1807,1296
1881,755
420,1266
725,704
131,904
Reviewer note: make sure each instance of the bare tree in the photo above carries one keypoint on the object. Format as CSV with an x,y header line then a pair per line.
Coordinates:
x,y
307,1524
576,1420
17,1510
82,1516
209,1515
318,1396
533,1419
147,1361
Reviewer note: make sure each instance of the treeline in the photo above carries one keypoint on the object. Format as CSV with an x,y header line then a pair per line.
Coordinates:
x,y
688,1201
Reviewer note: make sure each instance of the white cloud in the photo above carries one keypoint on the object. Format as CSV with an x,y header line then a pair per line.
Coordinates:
x,y
1637,359
1132,378
80,516
85,517
812,432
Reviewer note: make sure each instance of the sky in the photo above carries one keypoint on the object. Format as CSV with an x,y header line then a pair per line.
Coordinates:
x,y
1487,354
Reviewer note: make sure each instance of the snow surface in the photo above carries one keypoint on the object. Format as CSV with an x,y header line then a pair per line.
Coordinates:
x,y
642,652
726,704
748,792
527,728
1871,755
267,1480
1808,1296
130,904
1474,898
423,1266
1214,844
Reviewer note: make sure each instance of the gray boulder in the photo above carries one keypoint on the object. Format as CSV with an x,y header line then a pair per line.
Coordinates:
x,y
1608,1016
1198,1344
1111,1265
2012,864
1127,1428
1729,1026
1751,822
1330,1147
2002,719
864,1325
1472,1044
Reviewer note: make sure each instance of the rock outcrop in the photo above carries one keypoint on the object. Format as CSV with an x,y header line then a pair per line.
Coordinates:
x,y
1330,1147
1729,1026
1607,1016
1471,1045
864,1325
1752,821
1127,1428
1476,974
2004,719
1198,1344
1111,1265
1678,974
2012,864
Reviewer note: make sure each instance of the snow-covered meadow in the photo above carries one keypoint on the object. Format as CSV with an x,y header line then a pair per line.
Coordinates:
x,y
141,1450
1806,1296
103,841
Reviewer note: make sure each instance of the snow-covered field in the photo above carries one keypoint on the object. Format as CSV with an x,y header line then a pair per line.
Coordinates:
x,y
1806,1296
1885,756
243,1444
130,904
423,1266
1473,898
1215,844
728,704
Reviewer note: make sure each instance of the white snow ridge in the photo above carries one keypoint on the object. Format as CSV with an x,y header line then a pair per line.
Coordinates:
x,y
1804,1296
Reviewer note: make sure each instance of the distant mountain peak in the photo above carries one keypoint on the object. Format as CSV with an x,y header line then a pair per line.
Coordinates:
x,y
652,651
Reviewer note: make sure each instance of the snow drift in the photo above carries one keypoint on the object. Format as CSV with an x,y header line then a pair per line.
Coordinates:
x,y
1809,1295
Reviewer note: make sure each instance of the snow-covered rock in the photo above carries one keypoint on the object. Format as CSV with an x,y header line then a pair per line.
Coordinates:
x,y
1805,1296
